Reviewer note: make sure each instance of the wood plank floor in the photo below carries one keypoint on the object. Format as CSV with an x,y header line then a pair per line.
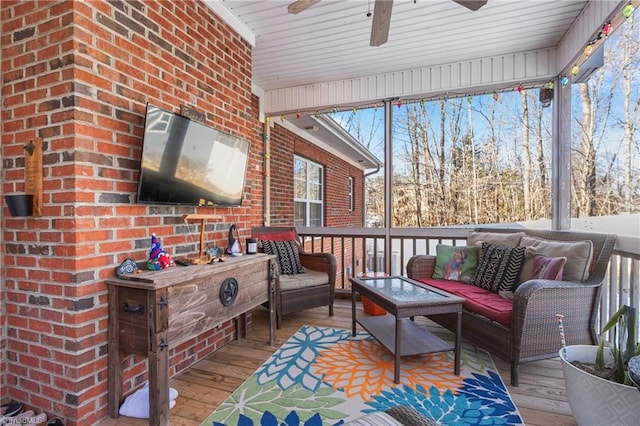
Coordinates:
x,y
540,398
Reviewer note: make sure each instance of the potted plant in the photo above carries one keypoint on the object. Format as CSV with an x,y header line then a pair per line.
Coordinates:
x,y
597,379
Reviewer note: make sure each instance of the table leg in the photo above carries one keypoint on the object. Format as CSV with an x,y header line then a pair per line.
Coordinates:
x,y
396,366
456,368
353,311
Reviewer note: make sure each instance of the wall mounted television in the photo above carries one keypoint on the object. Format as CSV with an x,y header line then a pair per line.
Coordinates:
x,y
185,162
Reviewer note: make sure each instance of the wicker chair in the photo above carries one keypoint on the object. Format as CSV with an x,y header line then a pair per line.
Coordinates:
x,y
312,289
533,334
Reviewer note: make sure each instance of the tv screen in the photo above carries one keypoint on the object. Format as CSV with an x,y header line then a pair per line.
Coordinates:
x,y
188,163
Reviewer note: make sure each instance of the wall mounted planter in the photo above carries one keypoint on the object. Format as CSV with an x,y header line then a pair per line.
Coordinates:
x,y
20,204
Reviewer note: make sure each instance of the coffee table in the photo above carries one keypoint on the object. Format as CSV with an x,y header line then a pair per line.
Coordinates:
x,y
404,298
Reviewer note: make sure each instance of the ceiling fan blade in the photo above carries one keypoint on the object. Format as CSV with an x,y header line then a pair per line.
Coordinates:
x,y
471,4
381,22
301,5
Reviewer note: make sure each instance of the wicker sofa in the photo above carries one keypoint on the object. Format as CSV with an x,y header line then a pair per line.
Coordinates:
x,y
526,328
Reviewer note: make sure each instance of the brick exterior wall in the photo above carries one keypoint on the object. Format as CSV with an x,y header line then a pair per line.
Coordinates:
x,y
79,74
284,145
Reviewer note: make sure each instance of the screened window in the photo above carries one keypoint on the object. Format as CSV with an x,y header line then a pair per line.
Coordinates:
x,y
307,192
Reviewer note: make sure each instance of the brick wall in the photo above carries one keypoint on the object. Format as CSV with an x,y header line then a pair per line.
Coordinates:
x,y
284,145
79,74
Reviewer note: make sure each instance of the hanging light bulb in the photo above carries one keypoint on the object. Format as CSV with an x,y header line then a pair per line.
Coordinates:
x,y
316,114
588,50
575,70
564,80
495,96
469,98
445,98
421,103
282,118
399,104
335,110
297,115
549,85
606,29
354,110
628,10
520,88
268,119
375,106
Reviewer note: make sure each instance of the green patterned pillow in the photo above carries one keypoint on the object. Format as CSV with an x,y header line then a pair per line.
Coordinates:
x,y
455,263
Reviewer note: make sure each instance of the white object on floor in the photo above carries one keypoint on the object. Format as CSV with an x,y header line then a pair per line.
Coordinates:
x,y
137,404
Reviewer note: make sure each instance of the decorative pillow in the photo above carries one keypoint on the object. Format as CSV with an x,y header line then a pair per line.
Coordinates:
x,y
547,268
287,255
498,267
455,263
578,253
510,239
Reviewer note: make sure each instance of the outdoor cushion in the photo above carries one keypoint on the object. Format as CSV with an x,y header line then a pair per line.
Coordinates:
x,y
309,279
498,267
508,239
477,299
455,263
287,256
578,253
286,234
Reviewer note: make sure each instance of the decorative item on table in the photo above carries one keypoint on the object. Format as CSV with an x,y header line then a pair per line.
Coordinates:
x,y
233,248
212,252
252,245
129,266
158,258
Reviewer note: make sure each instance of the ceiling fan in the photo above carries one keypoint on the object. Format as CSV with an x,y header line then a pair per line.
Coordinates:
x,y
381,15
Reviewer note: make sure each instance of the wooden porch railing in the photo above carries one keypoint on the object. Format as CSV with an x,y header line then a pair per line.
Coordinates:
x,y
360,250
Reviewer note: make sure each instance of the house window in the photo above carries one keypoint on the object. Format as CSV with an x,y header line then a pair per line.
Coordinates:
x,y
307,192
351,194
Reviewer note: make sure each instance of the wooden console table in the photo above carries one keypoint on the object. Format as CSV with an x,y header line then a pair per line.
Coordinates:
x,y
153,311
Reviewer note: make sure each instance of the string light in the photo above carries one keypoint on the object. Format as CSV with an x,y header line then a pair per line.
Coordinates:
x,y
564,80
575,70
421,103
588,50
316,114
282,118
469,98
549,85
495,96
399,104
520,88
606,29
297,115
268,119
628,10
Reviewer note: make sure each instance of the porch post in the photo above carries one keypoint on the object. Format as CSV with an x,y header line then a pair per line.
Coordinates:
x,y
388,175
561,157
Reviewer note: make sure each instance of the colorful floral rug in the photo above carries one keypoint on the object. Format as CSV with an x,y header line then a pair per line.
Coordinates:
x,y
326,376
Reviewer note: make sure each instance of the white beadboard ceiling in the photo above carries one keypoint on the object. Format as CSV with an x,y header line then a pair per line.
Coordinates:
x,y
330,40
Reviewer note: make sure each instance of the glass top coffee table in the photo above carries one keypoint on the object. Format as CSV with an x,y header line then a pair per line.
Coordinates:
x,y
404,298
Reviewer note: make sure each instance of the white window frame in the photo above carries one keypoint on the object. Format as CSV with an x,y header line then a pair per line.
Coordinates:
x,y
308,202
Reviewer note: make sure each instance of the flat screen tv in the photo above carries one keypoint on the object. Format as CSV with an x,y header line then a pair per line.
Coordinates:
x,y
188,163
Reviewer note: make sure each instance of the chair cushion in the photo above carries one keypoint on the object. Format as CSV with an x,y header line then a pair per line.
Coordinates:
x,y
287,255
455,263
508,239
309,279
477,299
498,267
579,255
283,234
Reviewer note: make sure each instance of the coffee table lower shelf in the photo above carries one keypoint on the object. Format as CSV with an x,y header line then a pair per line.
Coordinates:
x,y
415,339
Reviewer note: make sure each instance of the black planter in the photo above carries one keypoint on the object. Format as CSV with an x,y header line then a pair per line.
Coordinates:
x,y
20,204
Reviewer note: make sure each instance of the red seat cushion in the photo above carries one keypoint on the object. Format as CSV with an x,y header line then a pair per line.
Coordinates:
x,y
477,299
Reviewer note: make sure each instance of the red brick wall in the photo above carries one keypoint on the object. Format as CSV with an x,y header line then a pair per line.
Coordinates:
x,y
284,145
78,74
